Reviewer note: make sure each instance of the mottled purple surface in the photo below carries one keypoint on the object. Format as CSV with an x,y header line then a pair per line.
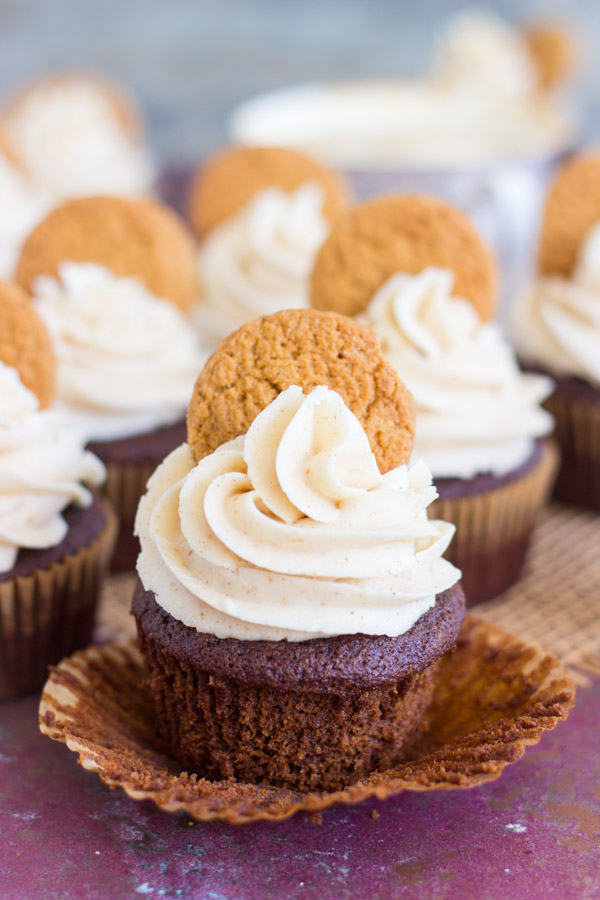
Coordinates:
x,y
535,833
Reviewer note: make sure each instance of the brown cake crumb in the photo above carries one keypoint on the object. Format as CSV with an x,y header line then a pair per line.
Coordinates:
x,y
133,238
225,184
25,344
400,233
374,814
308,348
572,208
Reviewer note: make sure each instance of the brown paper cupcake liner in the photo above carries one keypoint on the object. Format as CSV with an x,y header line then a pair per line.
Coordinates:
x,y
50,613
578,433
493,528
494,697
125,485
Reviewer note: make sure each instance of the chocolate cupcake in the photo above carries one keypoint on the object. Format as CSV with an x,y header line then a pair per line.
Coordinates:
x,y
556,325
56,532
418,274
113,280
293,600
262,214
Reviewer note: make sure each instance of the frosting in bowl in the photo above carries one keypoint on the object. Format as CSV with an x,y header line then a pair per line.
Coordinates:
x,y
290,532
476,411
127,360
259,261
43,469
556,323
70,139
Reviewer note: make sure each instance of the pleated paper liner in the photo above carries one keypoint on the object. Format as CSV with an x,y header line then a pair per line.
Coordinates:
x,y
495,696
578,433
494,528
50,613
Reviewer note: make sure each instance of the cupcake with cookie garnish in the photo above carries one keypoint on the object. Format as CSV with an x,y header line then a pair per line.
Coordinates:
x,y
293,597
556,324
56,531
261,214
75,134
113,280
416,271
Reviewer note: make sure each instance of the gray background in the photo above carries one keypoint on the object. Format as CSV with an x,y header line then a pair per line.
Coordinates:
x,y
191,62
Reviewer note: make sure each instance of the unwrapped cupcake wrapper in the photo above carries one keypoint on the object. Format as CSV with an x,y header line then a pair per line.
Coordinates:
x,y
493,528
125,485
50,613
578,434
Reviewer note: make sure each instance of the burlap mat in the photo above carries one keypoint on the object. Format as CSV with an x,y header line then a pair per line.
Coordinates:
x,y
556,605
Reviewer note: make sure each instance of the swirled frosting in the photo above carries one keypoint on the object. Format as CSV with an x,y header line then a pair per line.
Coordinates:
x,y
72,143
476,411
480,52
259,261
290,532
22,206
43,469
556,323
127,360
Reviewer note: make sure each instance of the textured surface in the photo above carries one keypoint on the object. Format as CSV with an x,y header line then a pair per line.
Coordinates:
x,y
24,342
133,238
400,233
308,348
229,180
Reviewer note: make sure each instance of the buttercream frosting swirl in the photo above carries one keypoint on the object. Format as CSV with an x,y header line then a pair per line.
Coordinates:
x,y
71,141
43,469
127,360
476,411
556,323
22,207
291,532
258,262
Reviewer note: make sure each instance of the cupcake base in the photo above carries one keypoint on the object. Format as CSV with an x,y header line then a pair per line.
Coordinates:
x,y
312,715
494,518
48,599
130,462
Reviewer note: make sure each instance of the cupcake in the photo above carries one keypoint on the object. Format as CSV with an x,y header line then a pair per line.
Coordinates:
x,y
74,135
56,532
113,279
22,205
262,214
419,275
556,324
293,599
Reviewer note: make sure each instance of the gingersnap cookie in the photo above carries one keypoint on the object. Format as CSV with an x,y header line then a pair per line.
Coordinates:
x,y
25,344
308,348
400,233
133,238
553,52
228,181
572,208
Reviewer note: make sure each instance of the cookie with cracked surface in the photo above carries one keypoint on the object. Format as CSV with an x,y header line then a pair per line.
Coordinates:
x,y
572,208
553,50
134,238
229,180
400,233
25,344
308,348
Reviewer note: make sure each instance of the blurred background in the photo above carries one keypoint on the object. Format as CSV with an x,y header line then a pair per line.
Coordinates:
x,y
190,63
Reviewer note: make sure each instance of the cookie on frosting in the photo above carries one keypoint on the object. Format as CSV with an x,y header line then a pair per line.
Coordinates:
x,y
132,238
572,208
308,348
228,181
553,51
400,233
25,344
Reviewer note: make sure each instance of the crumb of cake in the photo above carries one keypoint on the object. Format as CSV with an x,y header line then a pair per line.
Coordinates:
x,y
572,208
374,814
400,233
308,348
134,238
25,344
553,50
231,178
